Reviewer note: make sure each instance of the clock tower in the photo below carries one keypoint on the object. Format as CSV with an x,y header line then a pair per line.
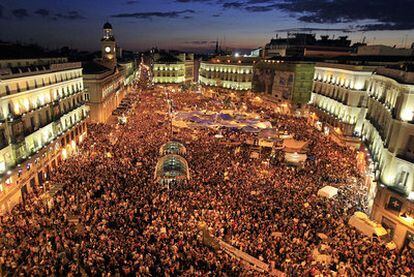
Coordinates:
x,y
108,46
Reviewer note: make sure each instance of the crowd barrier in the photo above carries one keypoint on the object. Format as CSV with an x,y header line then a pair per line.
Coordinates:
x,y
250,261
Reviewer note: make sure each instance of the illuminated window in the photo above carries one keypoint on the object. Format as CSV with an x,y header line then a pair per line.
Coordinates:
x,y
402,179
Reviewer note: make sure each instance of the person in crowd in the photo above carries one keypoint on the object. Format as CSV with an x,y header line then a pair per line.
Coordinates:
x,y
112,217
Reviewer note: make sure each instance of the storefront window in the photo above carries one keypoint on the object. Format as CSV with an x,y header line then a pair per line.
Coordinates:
x,y
389,226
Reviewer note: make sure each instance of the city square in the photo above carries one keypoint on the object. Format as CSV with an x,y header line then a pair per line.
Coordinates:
x,y
112,216
160,138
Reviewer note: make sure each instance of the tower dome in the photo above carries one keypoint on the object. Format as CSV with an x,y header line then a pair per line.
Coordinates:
x,y
107,25
107,32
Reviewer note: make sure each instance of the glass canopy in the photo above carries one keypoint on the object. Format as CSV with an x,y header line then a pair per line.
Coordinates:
x,y
171,167
173,147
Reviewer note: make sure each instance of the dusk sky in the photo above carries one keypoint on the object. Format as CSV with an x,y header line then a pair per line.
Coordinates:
x,y
190,24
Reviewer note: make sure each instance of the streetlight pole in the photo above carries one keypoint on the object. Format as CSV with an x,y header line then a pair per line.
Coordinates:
x,y
170,112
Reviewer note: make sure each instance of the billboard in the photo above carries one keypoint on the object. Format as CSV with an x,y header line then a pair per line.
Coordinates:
x,y
283,85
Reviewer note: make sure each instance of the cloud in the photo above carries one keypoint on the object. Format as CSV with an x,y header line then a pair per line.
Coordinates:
x,y
260,1
216,15
131,2
250,5
267,8
310,29
192,1
233,5
150,15
188,17
200,42
42,12
382,14
386,14
71,15
385,27
20,13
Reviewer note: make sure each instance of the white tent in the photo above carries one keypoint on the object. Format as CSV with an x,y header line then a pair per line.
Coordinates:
x,y
180,123
292,145
286,136
321,258
328,192
363,224
265,143
295,158
264,125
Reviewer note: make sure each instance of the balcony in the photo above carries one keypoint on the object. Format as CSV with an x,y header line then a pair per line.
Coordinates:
x,y
39,86
33,151
377,126
14,117
4,144
396,74
342,101
30,130
17,138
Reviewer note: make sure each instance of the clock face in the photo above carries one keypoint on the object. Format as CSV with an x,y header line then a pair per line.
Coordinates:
x,y
107,49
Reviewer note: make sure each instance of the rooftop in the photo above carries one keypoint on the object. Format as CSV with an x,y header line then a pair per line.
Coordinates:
x,y
20,71
167,58
94,68
406,67
107,25
302,39
234,60
403,73
351,67
16,51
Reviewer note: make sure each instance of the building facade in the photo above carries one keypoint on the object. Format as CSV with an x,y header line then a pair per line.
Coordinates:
x,y
173,68
9,63
228,73
108,46
286,81
42,120
106,80
297,91
304,44
129,70
388,132
383,50
263,77
105,89
339,98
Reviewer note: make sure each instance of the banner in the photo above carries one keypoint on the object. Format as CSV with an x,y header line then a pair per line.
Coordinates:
x,y
394,204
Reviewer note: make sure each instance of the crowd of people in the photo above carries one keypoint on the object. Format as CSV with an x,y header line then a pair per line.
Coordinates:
x,y
112,217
